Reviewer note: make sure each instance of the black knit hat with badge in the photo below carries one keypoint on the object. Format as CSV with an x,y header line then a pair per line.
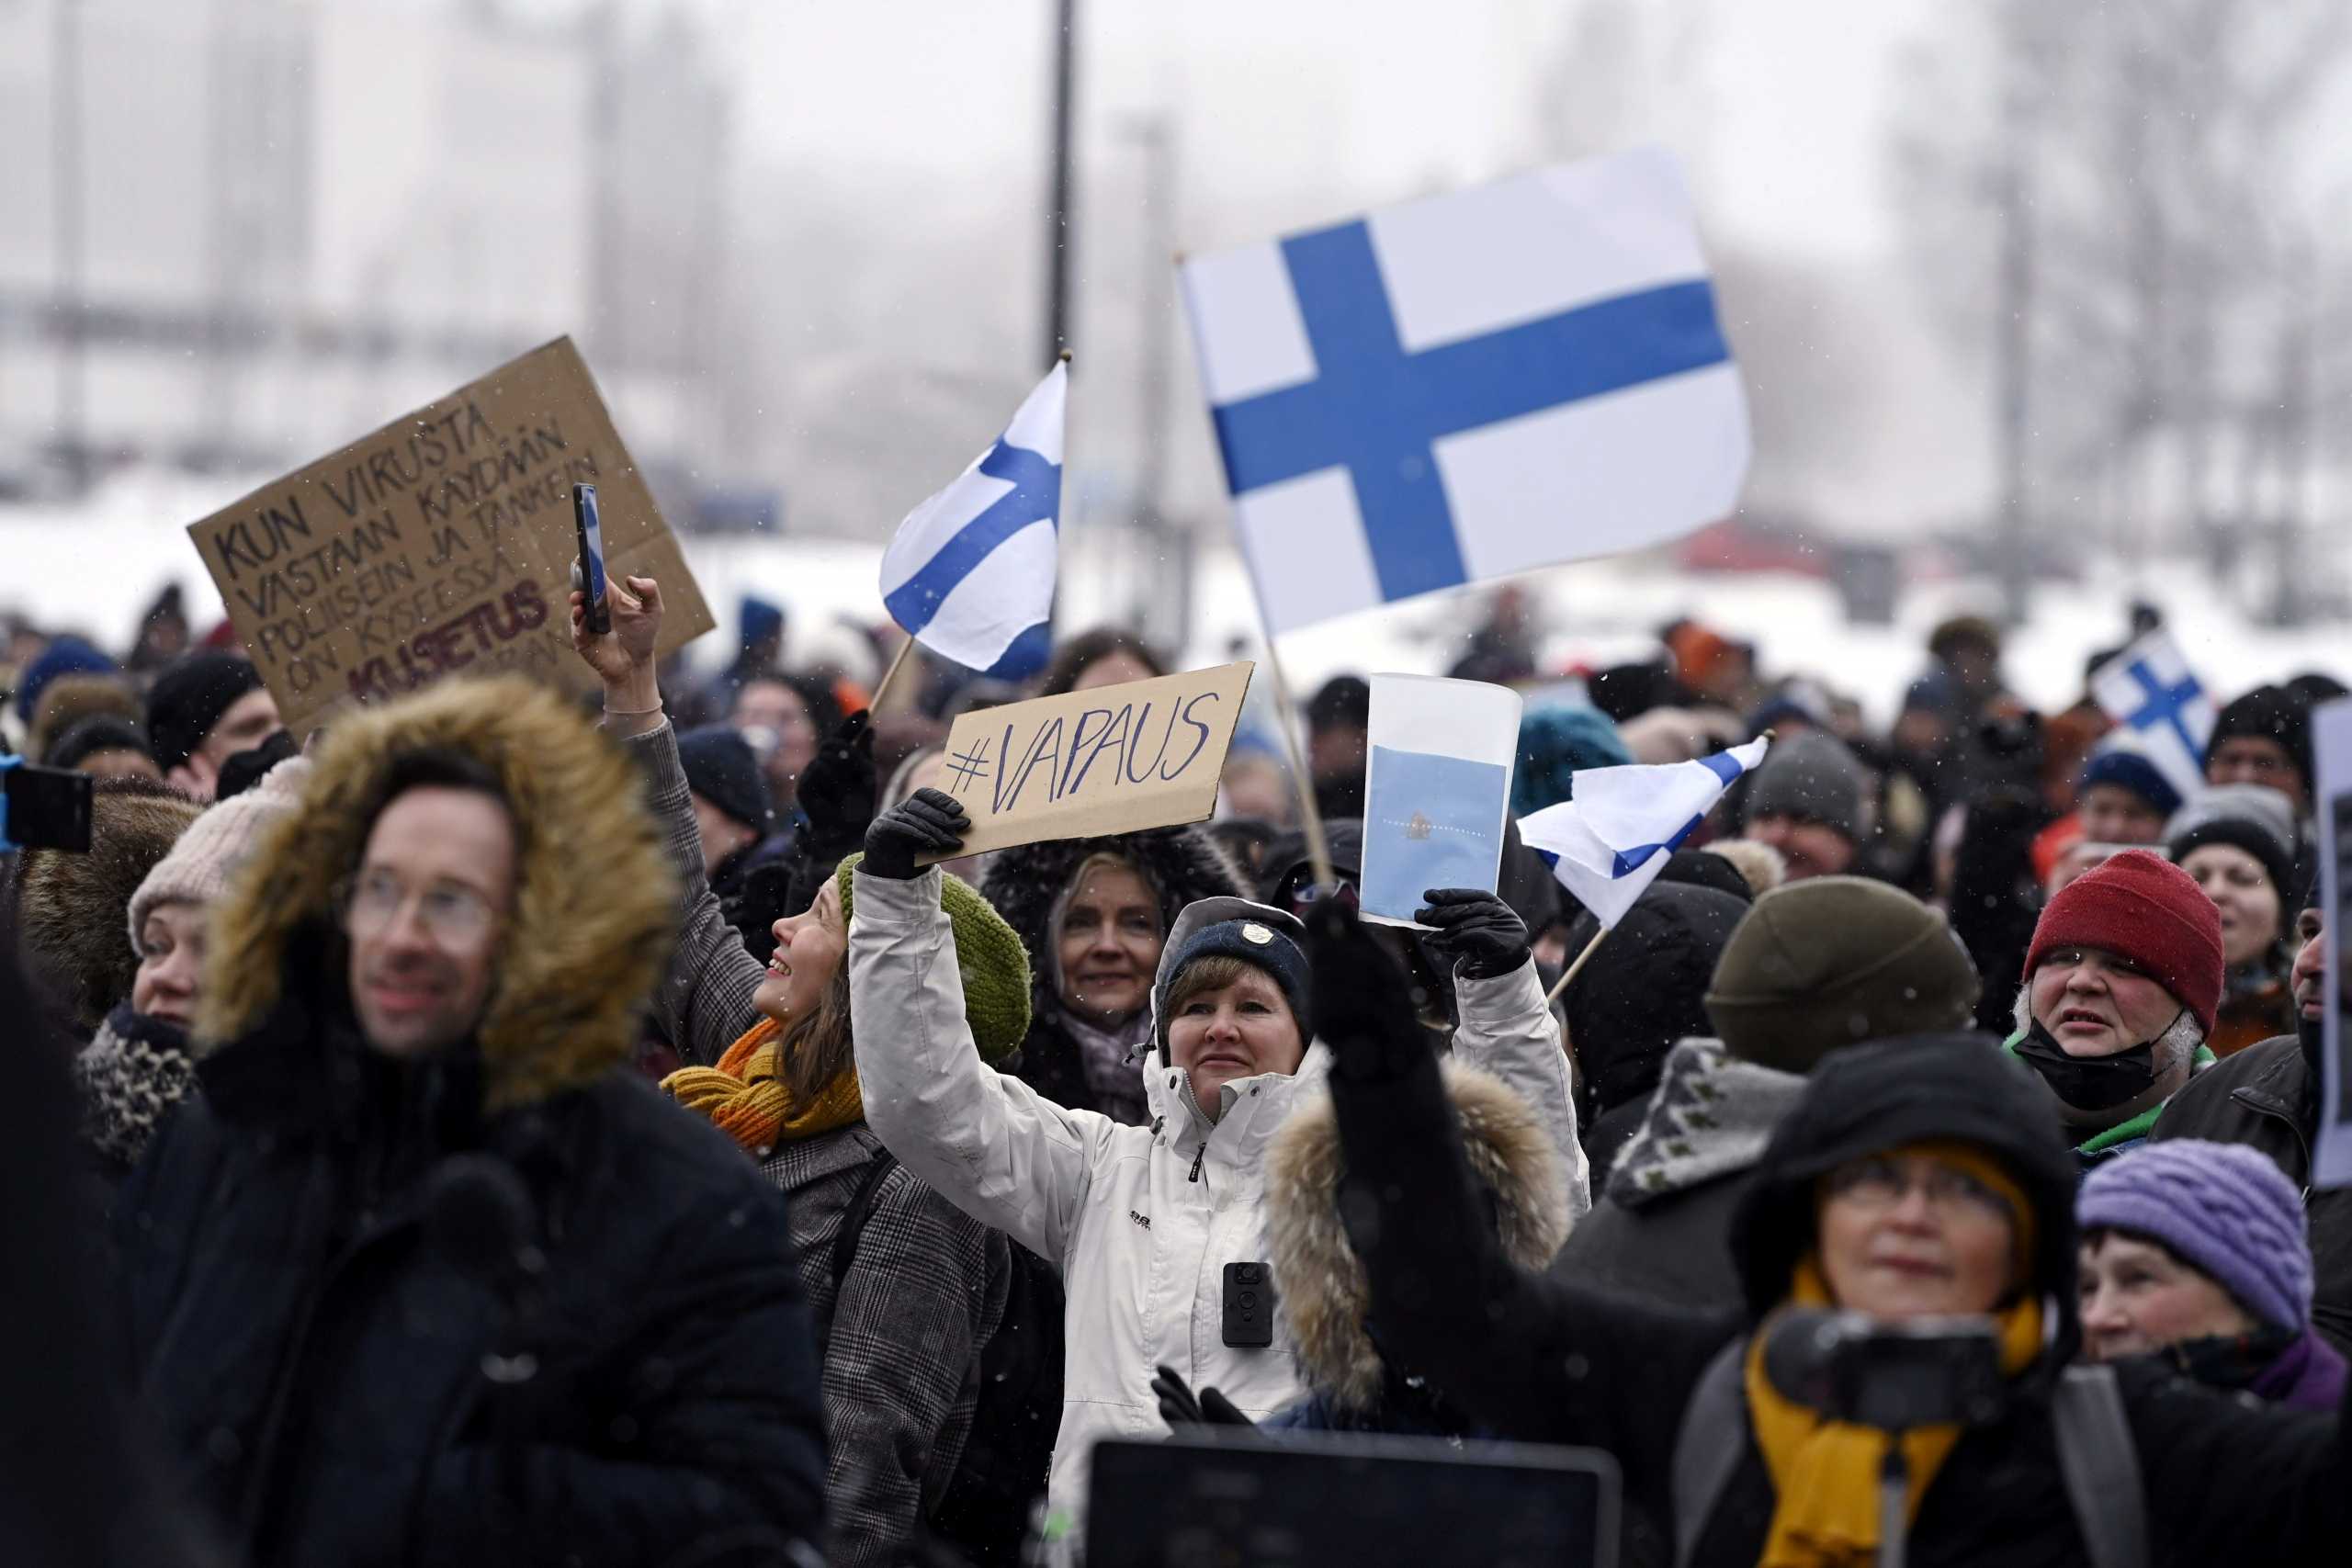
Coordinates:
x,y
1260,936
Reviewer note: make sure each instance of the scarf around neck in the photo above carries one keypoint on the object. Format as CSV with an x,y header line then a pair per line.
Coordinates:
x,y
1826,1474
746,1098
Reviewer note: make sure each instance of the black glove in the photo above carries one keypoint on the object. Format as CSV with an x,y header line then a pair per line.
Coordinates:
x,y
927,822
1365,1009
1476,930
1180,1409
837,789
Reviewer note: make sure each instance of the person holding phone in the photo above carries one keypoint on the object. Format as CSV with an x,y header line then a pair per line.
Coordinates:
x,y
1916,1180
1154,1228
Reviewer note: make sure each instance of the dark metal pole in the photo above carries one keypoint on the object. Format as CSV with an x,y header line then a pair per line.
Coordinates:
x,y
1057,217
65,194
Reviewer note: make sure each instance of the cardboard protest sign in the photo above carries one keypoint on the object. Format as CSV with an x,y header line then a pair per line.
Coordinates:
x,y
2331,751
1112,759
1437,787
441,542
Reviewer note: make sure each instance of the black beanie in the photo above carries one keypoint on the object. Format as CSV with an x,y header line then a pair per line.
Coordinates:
x,y
99,732
722,768
189,698
2269,713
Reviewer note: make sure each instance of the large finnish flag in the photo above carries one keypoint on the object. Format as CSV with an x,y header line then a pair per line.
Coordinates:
x,y
970,572
1611,840
2149,689
1469,386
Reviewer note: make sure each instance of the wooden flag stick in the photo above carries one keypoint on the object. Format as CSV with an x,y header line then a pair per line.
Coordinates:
x,y
906,648
1589,948
1318,848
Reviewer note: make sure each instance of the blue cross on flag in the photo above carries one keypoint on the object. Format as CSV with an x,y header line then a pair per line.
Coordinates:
x,y
1469,386
970,573
2150,689
1609,841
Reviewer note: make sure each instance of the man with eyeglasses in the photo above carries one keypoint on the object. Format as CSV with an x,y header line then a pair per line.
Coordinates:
x,y
423,1273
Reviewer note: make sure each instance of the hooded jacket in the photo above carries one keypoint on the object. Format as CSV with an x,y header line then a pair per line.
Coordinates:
x,y
1139,1220
1319,1282
1549,1361
1660,1227
321,1250
1027,885
2267,1097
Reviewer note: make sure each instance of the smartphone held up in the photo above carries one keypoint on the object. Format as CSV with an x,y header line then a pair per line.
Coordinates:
x,y
591,565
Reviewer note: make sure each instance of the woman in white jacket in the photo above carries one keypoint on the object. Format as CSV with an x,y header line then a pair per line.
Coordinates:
x,y
1143,1221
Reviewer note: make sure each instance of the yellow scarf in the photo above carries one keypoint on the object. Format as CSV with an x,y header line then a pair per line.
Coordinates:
x,y
745,1099
1826,1474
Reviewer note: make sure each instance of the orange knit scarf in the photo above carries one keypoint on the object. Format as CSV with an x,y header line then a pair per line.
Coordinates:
x,y
746,1099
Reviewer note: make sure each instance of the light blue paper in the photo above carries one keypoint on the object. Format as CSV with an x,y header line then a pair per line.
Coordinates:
x,y
1429,821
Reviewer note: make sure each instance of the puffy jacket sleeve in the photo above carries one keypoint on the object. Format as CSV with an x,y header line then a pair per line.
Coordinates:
x,y
725,1439
919,1301
703,1002
1534,1359
2229,1480
1508,1030
983,1140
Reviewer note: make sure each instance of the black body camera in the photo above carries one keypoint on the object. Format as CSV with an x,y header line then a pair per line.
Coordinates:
x,y
1249,1305
1894,1377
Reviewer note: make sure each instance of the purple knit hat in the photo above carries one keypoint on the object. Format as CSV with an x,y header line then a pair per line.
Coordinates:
x,y
2223,1209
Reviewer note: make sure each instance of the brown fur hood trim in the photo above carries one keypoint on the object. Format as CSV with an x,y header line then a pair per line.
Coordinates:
x,y
72,908
595,902
1318,1276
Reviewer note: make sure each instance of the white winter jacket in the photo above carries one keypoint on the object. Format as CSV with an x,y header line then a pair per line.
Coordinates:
x,y
1141,1221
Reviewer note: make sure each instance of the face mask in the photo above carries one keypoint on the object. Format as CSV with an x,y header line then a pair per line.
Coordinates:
x,y
2089,1083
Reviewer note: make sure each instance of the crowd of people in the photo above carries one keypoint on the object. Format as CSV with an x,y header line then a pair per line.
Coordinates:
x,y
496,1129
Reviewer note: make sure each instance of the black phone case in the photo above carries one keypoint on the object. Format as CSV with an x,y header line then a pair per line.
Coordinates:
x,y
600,619
1249,1305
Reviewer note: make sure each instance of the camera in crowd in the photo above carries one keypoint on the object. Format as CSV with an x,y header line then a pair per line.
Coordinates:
x,y
43,808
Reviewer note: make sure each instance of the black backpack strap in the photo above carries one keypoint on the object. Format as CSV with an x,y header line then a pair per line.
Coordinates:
x,y
1707,1447
860,1210
2101,1465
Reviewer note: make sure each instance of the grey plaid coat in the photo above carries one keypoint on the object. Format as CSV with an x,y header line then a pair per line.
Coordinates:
x,y
902,1339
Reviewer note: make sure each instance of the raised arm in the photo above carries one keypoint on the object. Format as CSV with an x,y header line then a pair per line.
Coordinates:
x,y
985,1141
1531,1358
703,1002
1506,1027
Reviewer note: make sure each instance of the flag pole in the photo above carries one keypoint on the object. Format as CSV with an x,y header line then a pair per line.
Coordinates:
x,y
1553,994
874,705
1318,848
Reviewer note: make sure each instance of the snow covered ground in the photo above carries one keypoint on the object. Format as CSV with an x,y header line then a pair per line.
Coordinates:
x,y
94,566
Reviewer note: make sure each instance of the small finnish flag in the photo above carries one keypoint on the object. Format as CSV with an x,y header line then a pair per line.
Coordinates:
x,y
970,572
1611,840
2149,689
1469,386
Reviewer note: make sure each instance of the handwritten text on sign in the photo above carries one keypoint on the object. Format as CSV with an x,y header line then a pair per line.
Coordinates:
x,y
1112,759
440,544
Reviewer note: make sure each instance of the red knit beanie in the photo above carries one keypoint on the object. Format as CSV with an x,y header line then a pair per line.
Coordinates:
x,y
2143,908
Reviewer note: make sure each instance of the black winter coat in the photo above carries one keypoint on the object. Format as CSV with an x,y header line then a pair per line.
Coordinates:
x,y
2265,1097
1539,1360
304,1339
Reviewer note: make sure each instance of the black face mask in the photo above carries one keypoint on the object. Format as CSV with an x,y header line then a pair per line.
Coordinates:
x,y
2089,1083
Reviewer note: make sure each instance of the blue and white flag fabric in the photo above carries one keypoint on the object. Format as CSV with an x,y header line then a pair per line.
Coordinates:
x,y
1468,386
2149,689
1614,837
970,572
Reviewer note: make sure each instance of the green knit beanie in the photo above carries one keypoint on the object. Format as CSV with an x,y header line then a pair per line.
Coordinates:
x,y
994,964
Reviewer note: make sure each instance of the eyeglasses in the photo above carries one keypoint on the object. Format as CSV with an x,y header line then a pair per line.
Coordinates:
x,y
1882,1183
457,918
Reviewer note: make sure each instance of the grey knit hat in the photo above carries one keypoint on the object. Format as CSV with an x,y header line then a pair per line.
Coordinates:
x,y
1811,776
199,868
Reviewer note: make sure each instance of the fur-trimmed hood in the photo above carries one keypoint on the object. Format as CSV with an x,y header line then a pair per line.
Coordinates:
x,y
595,902
71,907
1026,883
1318,1276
